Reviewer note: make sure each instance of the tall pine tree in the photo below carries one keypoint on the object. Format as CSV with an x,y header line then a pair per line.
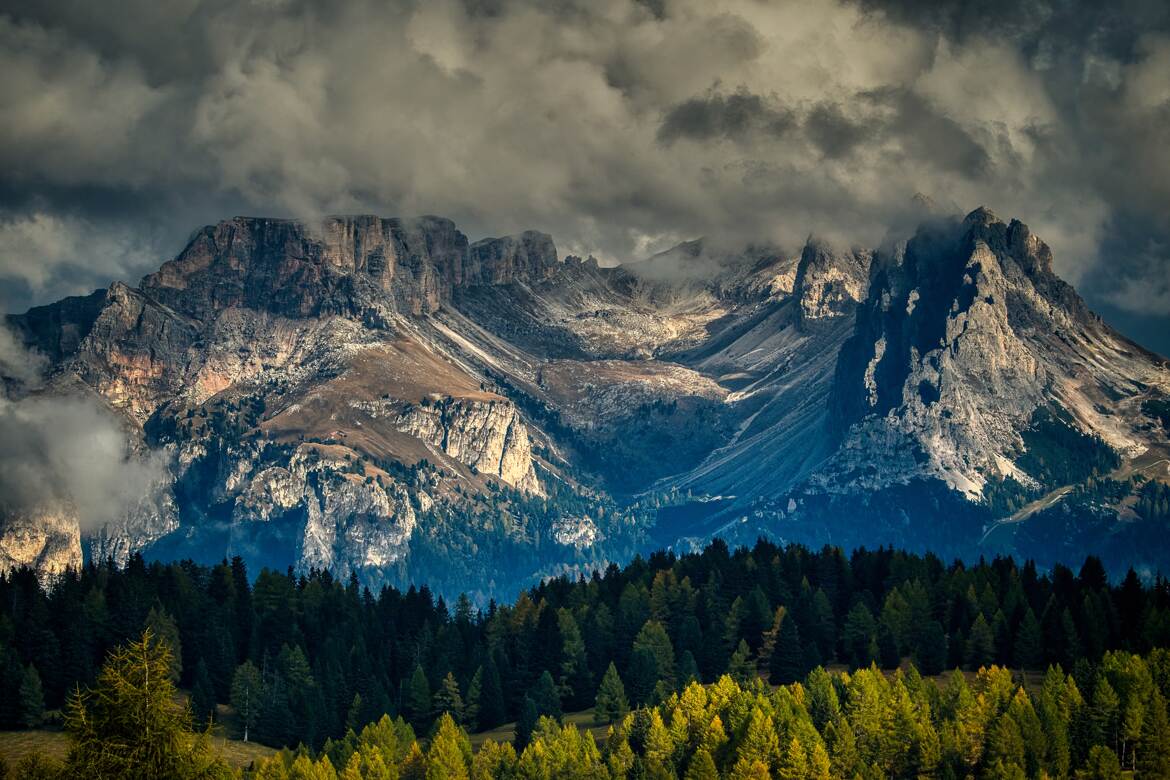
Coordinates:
x,y
611,705
787,662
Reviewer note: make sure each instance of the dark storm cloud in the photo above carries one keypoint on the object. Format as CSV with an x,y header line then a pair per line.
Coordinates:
x,y
1038,27
737,117
930,135
620,126
835,134
1106,69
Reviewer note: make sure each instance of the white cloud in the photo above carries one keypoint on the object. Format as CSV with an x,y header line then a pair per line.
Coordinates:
x,y
57,451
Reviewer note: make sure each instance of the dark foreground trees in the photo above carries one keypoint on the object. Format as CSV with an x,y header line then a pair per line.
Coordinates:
x,y
131,725
305,658
1103,719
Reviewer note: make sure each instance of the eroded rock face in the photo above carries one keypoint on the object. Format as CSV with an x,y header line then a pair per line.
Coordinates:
x,y
149,519
579,532
47,540
252,309
489,435
965,332
351,521
134,352
830,283
364,267
529,257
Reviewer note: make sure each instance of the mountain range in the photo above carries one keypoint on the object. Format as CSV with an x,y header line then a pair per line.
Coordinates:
x,y
387,399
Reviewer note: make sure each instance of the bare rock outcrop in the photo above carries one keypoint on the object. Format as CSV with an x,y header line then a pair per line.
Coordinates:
x,y
488,435
530,257
47,540
830,283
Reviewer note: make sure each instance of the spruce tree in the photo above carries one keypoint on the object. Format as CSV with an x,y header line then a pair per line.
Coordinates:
x,y
32,698
1028,651
653,638
788,655
164,629
275,724
471,706
547,697
887,645
492,705
353,715
688,670
980,644
755,618
642,676
12,674
202,696
575,680
611,704
416,699
742,667
526,723
931,654
858,636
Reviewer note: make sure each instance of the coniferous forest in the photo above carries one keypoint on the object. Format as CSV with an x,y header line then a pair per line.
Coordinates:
x,y
763,662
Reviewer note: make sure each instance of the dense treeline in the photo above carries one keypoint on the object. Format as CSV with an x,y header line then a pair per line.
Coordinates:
x,y
868,724
304,658
831,725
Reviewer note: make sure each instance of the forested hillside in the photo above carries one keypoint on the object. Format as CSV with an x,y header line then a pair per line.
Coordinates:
x,y
306,660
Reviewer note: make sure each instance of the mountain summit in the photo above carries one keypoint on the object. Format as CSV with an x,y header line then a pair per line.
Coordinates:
x,y
386,398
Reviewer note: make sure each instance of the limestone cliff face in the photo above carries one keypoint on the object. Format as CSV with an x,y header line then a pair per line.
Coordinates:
x,y
365,267
47,540
830,283
150,518
134,351
351,522
253,310
965,333
489,435
530,256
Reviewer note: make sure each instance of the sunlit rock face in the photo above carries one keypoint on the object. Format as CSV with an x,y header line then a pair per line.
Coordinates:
x,y
491,436
965,333
47,540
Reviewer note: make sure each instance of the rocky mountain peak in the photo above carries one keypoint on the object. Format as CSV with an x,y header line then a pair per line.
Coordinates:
x,y
530,256
965,333
954,284
830,282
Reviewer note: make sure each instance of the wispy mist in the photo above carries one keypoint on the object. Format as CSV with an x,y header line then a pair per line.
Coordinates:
x,y
60,452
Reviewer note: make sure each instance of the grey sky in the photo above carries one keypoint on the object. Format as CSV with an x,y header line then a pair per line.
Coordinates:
x,y
620,127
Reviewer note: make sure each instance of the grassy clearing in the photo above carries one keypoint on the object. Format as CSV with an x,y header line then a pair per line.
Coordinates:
x,y
15,745
507,732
